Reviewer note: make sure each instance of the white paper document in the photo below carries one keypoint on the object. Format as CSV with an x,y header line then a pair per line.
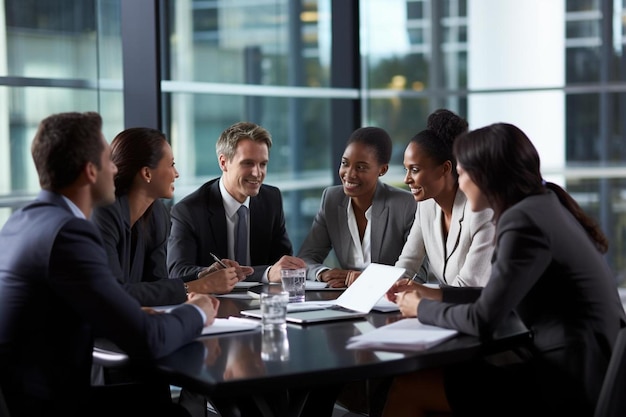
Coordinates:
x,y
405,334
384,305
372,284
316,285
363,295
231,324
247,284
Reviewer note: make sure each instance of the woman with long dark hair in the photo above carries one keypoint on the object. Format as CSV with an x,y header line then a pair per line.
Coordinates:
x,y
548,266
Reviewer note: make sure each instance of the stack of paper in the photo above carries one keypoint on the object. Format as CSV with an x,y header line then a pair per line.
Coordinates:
x,y
406,334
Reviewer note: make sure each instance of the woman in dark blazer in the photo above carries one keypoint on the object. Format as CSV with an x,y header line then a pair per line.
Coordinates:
x,y
135,228
548,267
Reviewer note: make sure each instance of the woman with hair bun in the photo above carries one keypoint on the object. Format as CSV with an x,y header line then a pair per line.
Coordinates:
x,y
457,241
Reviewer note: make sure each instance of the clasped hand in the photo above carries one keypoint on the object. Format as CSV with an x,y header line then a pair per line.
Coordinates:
x,y
408,294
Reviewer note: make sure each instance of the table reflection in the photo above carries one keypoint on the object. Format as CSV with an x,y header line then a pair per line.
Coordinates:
x,y
274,344
243,360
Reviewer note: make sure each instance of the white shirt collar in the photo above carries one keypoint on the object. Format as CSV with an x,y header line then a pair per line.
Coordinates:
x,y
75,210
230,204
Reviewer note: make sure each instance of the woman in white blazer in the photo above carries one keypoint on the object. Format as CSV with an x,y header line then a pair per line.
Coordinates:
x,y
457,241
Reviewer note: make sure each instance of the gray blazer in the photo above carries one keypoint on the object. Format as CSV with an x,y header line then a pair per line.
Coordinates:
x,y
464,258
393,211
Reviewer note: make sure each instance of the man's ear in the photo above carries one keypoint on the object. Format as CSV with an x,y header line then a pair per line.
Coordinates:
x,y
221,159
91,172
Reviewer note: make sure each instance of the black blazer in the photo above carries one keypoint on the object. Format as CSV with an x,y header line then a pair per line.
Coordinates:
x,y
547,269
199,227
137,255
56,293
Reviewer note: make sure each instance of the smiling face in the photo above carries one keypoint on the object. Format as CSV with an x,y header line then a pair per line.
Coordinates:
x,y
163,176
244,174
474,195
359,170
425,177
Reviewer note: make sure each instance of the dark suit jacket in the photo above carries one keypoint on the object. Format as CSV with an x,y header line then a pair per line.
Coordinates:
x,y
546,267
137,255
56,293
199,227
393,212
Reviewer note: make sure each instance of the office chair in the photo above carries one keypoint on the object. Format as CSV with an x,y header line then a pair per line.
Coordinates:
x,y
4,409
612,401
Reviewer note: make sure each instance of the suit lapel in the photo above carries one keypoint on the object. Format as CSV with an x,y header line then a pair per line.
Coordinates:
x,y
456,225
380,212
342,220
216,216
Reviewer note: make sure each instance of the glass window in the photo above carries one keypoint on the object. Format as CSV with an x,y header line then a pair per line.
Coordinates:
x,y
269,61
217,51
57,56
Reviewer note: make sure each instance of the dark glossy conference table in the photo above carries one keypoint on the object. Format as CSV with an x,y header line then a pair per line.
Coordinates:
x,y
228,366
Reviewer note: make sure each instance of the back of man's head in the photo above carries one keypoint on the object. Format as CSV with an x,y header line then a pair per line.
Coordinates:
x,y
63,145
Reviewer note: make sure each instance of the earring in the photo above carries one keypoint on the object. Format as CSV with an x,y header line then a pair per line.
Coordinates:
x,y
148,181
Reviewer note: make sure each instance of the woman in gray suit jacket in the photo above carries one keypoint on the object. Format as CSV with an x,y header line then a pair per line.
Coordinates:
x,y
548,267
457,241
363,220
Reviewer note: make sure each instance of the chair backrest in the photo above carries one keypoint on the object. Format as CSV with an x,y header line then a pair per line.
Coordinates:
x,y
4,409
612,400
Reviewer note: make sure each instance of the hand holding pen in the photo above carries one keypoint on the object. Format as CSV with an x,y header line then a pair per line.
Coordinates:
x,y
242,271
218,260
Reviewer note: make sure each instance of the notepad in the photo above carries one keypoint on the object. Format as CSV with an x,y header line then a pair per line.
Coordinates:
x,y
355,302
405,334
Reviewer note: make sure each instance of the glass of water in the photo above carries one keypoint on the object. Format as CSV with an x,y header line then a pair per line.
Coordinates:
x,y
294,282
274,310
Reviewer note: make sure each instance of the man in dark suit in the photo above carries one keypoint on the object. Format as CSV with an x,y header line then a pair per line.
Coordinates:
x,y
57,292
206,221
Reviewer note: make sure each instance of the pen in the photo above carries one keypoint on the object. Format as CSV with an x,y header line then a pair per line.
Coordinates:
x,y
218,260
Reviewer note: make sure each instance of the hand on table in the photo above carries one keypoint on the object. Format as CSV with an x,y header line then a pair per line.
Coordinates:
x,y
408,294
335,278
207,303
286,262
221,281
241,270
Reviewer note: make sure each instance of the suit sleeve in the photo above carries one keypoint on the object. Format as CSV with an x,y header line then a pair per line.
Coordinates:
x,y
81,275
523,254
476,269
317,244
182,245
148,283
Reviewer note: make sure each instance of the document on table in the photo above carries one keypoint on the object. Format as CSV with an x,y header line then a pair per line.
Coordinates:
x,y
385,306
231,324
405,334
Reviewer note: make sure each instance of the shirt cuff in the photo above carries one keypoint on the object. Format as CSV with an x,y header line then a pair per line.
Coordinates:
x,y
323,269
202,313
